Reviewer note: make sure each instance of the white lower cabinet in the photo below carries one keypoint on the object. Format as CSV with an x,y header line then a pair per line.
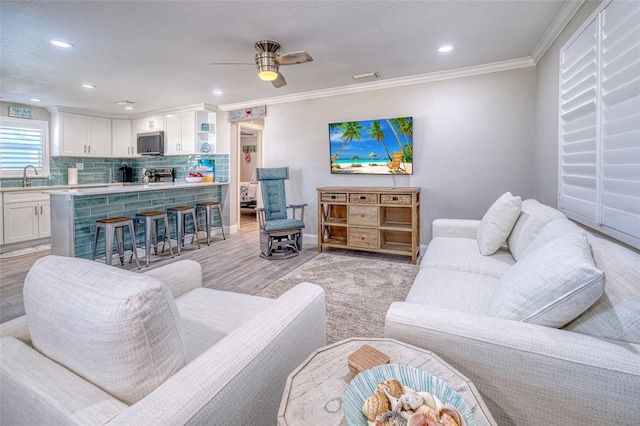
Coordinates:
x,y
26,216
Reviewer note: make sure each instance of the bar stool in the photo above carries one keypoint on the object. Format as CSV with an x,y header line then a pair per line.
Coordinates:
x,y
151,220
181,212
208,207
115,225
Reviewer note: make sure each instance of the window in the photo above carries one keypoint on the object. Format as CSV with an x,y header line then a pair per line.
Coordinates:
x,y
23,142
599,134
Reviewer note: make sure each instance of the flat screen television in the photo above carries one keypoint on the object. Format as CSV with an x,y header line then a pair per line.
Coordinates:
x,y
382,146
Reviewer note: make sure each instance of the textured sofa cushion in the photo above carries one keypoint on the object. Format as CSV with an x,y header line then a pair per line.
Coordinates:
x,y
208,315
615,315
461,254
551,286
533,217
117,329
455,290
497,223
554,229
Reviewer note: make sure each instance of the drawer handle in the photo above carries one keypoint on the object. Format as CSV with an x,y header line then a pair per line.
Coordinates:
x,y
363,197
394,198
333,197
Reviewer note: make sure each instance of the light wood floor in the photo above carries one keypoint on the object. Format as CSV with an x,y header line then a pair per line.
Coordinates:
x,y
233,264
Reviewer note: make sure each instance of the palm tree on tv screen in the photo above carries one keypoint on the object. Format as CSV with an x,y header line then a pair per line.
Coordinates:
x,y
404,126
350,131
377,133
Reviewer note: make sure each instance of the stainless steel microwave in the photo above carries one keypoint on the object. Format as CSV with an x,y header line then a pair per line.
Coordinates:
x,y
151,143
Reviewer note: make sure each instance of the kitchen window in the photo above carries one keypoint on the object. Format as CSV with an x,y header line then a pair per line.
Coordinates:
x,y
599,125
23,142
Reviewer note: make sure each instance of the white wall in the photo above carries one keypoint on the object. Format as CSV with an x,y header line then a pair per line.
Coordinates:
x,y
472,142
546,134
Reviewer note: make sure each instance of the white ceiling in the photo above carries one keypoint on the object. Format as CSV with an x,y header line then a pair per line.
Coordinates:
x,y
159,54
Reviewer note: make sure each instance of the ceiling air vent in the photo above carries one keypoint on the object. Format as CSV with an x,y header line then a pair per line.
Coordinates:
x,y
369,76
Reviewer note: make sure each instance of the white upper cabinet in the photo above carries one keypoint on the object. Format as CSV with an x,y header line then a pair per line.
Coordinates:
x,y
76,135
69,135
149,124
124,143
98,136
180,133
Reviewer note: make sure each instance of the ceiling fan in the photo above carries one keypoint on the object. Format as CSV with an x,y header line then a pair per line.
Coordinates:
x,y
268,61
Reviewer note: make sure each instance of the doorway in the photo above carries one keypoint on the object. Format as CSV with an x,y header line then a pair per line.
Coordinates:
x,y
250,156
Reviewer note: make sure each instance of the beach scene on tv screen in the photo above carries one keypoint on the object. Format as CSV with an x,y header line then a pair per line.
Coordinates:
x,y
383,146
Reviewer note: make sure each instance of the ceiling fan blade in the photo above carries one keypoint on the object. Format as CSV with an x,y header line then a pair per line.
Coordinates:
x,y
279,82
233,63
294,58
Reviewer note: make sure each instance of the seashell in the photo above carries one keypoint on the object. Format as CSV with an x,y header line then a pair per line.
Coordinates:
x,y
428,399
422,419
411,401
431,400
407,413
424,408
393,386
375,405
395,403
390,418
449,416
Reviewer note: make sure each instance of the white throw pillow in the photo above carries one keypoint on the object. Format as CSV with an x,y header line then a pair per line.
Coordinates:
x,y
497,223
119,330
552,285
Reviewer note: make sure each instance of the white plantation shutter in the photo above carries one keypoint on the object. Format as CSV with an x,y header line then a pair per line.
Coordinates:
x,y
621,117
23,142
578,125
599,164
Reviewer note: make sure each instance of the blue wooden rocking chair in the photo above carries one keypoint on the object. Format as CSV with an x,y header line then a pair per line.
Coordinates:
x,y
280,236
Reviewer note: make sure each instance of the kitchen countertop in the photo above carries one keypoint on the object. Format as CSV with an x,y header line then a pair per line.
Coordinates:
x,y
129,187
56,187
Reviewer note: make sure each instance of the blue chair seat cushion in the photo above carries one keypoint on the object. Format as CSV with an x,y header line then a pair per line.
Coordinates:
x,y
282,224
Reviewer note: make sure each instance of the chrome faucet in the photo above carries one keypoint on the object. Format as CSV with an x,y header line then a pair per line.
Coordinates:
x,y
27,182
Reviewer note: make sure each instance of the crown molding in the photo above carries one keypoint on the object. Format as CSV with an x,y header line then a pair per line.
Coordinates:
x,y
386,84
561,20
195,107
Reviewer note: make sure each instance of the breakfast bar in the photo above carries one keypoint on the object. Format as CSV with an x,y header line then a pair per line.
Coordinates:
x,y
74,211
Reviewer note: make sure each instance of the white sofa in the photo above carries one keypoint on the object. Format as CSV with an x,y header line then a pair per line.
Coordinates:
x,y
99,345
544,367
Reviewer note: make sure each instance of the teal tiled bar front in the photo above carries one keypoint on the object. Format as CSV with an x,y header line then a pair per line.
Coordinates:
x,y
74,212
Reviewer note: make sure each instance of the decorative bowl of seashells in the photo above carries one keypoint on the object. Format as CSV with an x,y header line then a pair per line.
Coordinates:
x,y
400,395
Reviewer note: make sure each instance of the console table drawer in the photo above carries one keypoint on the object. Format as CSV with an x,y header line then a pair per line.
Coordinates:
x,y
338,197
363,198
363,238
363,215
404,199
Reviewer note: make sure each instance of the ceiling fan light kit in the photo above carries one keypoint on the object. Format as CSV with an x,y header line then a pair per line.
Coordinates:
x,y
268,61
267,67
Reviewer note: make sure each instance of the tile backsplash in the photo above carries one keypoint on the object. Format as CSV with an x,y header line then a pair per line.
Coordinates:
x,y
95,170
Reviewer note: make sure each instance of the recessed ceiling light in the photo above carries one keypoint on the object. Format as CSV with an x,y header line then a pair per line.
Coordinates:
x,y
128,107
88,86
35,100
63,44
445,49
217,92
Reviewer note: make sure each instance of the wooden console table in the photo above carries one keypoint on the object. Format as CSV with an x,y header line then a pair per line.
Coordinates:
x,y
384,220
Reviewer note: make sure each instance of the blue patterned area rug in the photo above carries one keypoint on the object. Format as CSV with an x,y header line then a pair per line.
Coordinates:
x,y
23,251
